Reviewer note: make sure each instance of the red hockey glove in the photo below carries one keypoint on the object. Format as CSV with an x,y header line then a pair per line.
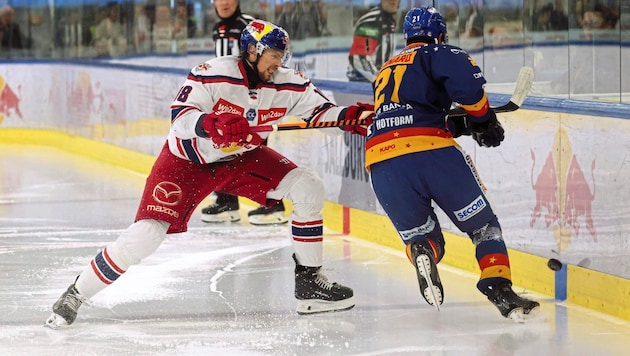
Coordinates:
x,y
354,112
226,128
489,133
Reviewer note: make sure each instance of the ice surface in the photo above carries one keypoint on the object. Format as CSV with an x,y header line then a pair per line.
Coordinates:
x,y
227,289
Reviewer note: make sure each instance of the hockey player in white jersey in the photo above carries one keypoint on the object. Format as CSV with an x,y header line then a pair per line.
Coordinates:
x,y
210,148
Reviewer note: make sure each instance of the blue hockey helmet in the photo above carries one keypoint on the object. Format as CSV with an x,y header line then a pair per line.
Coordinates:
x,y
425,22
264,35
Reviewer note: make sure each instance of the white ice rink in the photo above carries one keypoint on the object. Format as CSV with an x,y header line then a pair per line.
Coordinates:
x,y
228,289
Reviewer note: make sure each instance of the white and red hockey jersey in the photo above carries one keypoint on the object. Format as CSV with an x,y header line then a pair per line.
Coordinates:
x,y
220,85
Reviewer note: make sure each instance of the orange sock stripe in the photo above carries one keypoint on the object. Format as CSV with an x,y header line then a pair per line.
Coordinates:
x,y
433,247
496,271
435,250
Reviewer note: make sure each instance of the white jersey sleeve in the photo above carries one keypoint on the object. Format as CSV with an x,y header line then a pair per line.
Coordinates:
x,y
220,85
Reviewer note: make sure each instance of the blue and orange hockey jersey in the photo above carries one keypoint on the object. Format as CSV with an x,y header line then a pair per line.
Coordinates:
x,y
413,92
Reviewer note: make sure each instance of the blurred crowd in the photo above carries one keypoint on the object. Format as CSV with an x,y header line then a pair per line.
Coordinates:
x,y
120,28
158,26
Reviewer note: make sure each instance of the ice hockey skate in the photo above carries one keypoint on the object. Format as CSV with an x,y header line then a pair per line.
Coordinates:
x,y
65,308
224,209
273,215
511,305
423,260
315,294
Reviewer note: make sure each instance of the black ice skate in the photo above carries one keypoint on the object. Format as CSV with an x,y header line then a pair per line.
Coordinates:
x,y
225,209
65,308
315,294
427,272
273,215
510,304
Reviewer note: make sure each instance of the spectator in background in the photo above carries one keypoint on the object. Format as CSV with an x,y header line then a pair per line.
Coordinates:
x,y
163,29
307,20
373,41
10,34
474,24
548,18
624,19
600,18
322,13
594,71
559,20
143,29
542,18
184,25
575,16
287,17
109,34
70,34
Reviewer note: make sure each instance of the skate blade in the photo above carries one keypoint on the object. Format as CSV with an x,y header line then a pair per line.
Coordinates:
x,y
315,306
276,218
54,321
432,293
229,216
518,315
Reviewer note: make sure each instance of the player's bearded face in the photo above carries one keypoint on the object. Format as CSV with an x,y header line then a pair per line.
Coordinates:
x,y
269,63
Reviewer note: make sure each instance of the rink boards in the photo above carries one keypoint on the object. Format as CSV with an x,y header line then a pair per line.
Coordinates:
x,y
595,290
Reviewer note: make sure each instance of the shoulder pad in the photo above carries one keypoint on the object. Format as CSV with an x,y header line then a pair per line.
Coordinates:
x,y
287,75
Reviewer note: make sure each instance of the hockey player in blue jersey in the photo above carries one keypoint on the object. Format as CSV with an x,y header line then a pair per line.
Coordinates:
x,y
414,160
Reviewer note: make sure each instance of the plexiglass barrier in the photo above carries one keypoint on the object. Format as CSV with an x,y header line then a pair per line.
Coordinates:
x,y
577,47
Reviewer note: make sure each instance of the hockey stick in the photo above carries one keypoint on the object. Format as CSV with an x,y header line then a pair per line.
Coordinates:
x,y
310,125
523,86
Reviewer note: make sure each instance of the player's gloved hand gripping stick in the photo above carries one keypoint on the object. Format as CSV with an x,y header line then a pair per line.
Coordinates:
x,y
523,86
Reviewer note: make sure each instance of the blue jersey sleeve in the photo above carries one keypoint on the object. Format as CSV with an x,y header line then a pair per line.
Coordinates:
x,y
462,79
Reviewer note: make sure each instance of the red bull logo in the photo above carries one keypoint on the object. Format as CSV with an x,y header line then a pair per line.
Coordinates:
x,y
563,192
85,99
9,100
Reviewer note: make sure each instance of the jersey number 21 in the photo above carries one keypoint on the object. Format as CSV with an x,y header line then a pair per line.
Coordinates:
x,y
381,88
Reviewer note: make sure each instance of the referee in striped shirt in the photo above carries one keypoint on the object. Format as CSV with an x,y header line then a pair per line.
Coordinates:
x,y
227,32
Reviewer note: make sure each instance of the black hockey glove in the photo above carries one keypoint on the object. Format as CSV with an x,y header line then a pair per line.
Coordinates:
x,y
458,126
489,133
